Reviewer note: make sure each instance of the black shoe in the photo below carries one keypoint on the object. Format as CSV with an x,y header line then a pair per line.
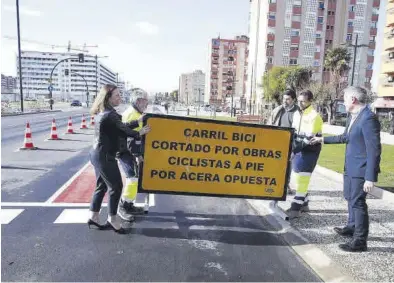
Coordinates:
x,y
345,231
354,246
91,222
121,230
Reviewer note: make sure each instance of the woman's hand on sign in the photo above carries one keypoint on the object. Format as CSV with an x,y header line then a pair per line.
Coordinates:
x,y
146,129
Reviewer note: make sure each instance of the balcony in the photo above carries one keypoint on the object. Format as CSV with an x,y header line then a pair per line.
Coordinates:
x,y
269,66
296,25
332,6
387,67
272,7
318,41
368,73
329,35
271,23
367,85
319,27
294,53
331,20
376,3
373,32
295,40
351,16
372,45
370,59
317,55
215,55
350,29
320,13
270,37
375,18
353,2
297,10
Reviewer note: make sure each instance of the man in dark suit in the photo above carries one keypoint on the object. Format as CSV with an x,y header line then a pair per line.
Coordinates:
x,y
362,165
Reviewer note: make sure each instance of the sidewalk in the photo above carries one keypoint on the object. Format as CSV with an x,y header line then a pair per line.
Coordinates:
x,y
328,210
386,138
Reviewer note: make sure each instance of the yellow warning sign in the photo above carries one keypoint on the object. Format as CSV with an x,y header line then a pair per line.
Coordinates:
x,y
185,155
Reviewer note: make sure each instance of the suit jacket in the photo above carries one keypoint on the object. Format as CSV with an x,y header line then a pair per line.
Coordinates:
x,y
363,146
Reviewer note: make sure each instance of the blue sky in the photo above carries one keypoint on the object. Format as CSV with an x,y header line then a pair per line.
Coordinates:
x,y
149,42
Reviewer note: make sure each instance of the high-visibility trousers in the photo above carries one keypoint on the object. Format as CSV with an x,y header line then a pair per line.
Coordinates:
x,y
130,167
303,164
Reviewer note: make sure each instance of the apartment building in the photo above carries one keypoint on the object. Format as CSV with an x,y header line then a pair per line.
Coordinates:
x,y
385,100
299,33
227,70
37,67
191,88
8,83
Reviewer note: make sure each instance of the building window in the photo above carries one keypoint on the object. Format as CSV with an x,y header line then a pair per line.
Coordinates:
x,y
294,47
271,15
351,8
295,32
293,62
297,2
349,24
349,36
321,5
272,1
270,60
318,35
320,20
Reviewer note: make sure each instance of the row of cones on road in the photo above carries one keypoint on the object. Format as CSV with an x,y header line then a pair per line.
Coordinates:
x,y
28,142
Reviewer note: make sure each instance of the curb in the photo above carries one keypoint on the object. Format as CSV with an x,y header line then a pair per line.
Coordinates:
x,y
314,257
338,177
28,113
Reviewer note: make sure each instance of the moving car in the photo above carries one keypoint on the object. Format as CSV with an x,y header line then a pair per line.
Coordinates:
x,y
76,103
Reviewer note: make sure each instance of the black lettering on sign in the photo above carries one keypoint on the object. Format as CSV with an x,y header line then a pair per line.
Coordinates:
x,y
241,137
226,150
251,180
162,174
198,162
238,165
180,146
205,134
255,166
262,153
200,177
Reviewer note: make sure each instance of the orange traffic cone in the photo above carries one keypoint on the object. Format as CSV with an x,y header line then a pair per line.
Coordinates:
x,y
28,142
91,120
70,126
54,131
83,124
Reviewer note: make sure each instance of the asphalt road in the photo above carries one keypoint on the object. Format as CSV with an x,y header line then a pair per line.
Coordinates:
x,y
183,238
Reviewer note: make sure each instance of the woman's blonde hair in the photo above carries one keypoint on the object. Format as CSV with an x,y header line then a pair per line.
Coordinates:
x,y
101,102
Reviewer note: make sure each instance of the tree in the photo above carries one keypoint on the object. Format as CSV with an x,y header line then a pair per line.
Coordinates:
x,y
337,62
278,79
174,95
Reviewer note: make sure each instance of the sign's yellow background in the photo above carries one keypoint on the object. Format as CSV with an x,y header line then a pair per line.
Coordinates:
x,y
172,130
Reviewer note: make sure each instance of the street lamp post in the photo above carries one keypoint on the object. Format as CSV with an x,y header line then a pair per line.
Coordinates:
x,y
19,53
355,47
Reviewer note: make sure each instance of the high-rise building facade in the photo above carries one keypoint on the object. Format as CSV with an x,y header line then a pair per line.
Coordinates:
x,y
299,33
191,88
8,83
385,100
227,69
37,67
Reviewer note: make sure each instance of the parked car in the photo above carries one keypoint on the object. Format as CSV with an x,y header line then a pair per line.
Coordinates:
x,y
76,103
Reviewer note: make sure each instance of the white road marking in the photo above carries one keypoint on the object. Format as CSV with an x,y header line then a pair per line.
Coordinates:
x,y
64,187
7,215
46,204
71,216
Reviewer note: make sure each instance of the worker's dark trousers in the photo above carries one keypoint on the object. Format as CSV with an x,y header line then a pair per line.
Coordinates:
x,y
107,178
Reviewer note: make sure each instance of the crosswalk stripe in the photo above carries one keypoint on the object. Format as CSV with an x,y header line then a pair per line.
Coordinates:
x,y
69,216
7,215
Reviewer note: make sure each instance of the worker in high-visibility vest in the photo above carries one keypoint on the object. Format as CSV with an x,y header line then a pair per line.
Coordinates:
x,y
307,123
130,157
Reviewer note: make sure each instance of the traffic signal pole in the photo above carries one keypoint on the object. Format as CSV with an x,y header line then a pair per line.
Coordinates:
x,y
50,88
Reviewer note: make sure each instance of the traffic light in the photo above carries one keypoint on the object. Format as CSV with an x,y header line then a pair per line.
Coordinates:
x,y
81,58
66,72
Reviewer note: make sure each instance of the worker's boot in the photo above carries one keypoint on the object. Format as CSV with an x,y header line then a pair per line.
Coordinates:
x,y
292,214
127,210
305,207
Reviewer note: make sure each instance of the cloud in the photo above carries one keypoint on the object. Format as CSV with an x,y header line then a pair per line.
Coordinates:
x,y
147,28
23,10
